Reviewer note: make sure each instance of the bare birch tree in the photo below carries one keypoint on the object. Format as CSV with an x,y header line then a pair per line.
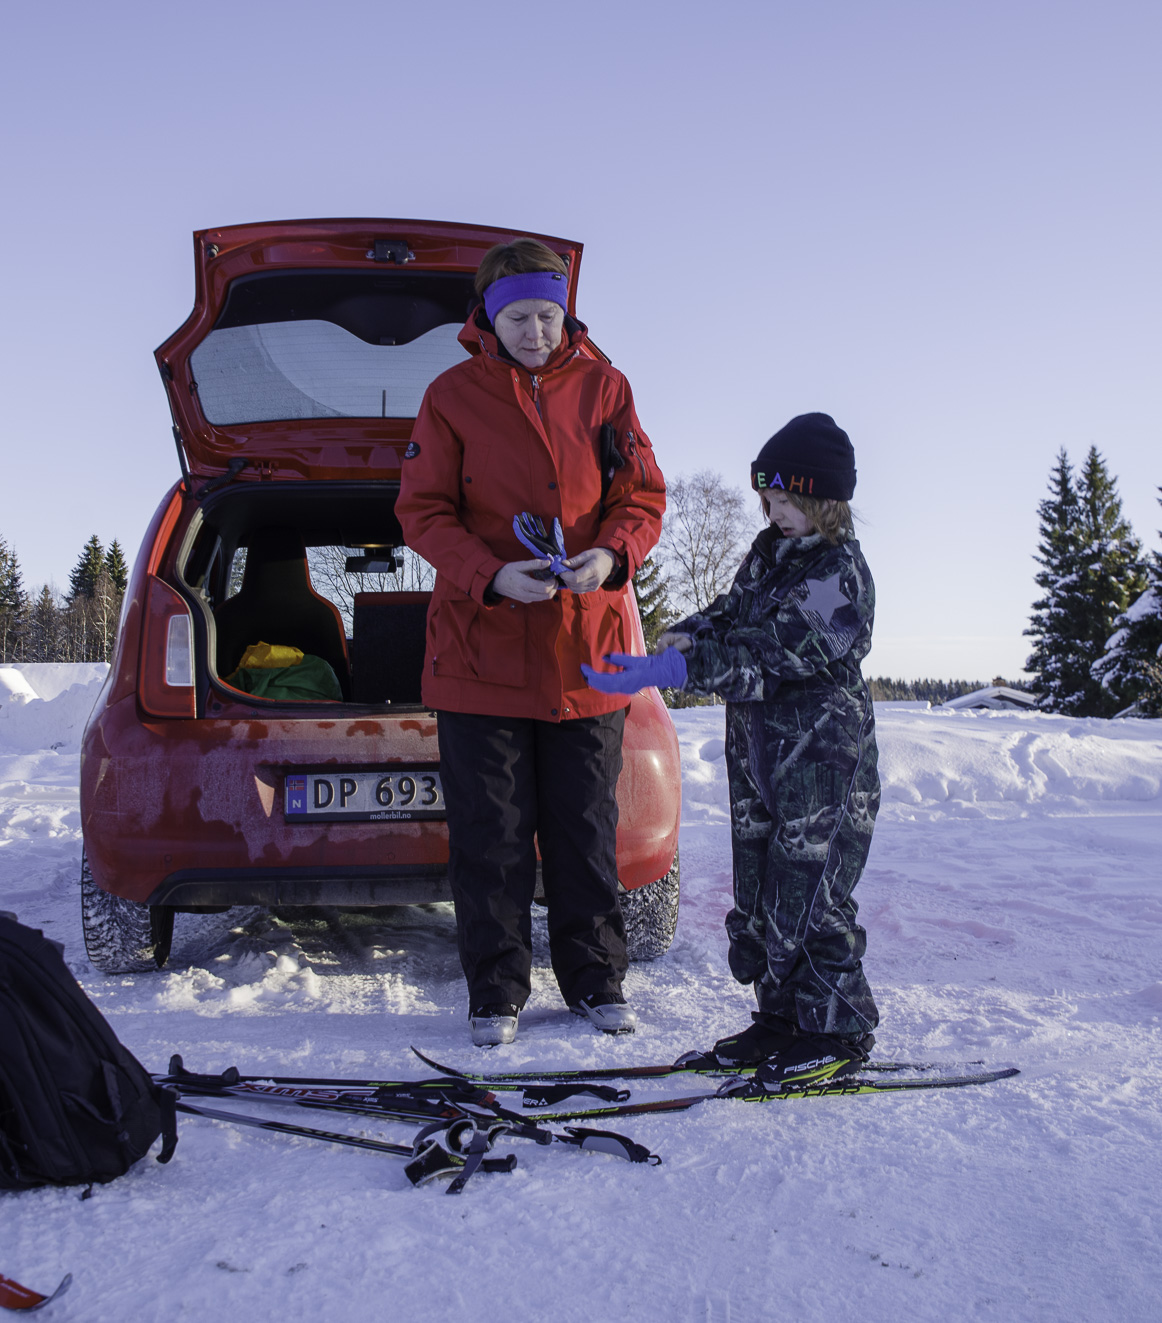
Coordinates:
x,y
706,530
104,611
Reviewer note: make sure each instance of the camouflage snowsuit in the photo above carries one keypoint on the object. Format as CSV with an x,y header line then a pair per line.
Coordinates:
x,y
783,647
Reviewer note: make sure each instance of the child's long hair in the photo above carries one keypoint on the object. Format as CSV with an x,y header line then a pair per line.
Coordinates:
x,y
832,519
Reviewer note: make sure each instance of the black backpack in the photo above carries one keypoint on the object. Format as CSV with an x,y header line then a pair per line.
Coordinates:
x,y
75,1106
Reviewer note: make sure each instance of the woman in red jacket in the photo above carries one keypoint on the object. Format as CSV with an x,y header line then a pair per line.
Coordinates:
x,y
526,747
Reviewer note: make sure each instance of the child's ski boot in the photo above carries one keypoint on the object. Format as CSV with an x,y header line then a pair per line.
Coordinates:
x,y
811,1059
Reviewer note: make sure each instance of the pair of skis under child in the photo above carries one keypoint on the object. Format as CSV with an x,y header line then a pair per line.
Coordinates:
x,y
783,647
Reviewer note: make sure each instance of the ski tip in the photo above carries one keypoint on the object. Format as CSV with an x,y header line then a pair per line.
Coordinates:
x,y
992,1073
21,1299
435,1065
66,1282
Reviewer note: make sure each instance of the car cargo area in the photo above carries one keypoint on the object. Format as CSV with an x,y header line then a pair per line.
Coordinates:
x,y
317,567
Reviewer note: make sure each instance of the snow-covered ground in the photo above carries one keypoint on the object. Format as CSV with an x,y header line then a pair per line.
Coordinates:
x,y
1014,910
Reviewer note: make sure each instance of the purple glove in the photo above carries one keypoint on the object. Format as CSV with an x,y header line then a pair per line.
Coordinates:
x,y
530,532
666,669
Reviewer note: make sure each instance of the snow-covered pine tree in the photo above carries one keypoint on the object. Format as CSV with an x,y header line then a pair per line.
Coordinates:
x,y
1056,611
1112,568
85,573
13,606
1092,570
1131,667
116,567
45,628
653,600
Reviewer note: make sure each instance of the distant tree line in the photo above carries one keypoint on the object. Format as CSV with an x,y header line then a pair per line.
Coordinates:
x,y
76,626
935,692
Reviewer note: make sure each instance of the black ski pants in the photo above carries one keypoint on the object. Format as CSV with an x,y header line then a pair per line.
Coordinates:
x,y
507,780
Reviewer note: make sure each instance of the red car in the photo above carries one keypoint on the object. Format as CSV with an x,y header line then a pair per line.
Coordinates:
x,y
293,387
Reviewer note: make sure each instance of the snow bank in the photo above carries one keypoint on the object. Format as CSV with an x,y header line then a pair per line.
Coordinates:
x,y
48,680
14,688
938,761
45,706
1008,763
1013,905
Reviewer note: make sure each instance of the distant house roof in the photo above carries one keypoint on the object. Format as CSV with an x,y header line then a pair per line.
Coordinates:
x,y
996,696
1137,709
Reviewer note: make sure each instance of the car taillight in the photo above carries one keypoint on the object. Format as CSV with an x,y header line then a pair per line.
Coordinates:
x,y
166,677
179,651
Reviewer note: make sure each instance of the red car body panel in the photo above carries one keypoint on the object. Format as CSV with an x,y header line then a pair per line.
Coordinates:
x,y
185,809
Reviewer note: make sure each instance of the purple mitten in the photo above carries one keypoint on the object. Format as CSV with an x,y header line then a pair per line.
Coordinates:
x,y
666,670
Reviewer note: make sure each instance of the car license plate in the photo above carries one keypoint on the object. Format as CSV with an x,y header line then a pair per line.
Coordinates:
x,y
399,794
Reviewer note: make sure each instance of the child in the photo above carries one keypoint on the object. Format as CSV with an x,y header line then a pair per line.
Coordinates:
x,y
783,647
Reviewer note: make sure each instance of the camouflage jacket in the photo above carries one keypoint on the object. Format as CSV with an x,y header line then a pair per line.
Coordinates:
x,y
797,619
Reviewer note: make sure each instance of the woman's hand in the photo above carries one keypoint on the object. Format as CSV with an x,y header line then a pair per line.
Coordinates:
x,y
589,570
520,580
683,642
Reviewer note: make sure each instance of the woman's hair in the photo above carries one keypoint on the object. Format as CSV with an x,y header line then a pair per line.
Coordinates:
x,y
832,519
516,259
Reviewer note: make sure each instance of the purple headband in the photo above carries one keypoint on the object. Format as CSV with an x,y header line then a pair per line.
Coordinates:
x,y
550,285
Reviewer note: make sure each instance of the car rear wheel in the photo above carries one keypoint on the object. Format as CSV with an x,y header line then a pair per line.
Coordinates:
x,y
651,916
121,936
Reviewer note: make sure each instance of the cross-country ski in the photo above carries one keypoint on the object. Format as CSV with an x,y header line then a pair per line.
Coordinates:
x,y
702,1064
21,1299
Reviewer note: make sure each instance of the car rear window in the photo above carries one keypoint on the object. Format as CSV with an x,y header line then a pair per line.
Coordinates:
x,y
330,344
330,578
312,369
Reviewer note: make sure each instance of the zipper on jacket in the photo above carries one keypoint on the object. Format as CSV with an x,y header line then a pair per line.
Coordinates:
x,y
536,378
632,446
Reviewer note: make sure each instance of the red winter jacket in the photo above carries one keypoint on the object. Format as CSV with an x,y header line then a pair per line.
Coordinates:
x,y
493,440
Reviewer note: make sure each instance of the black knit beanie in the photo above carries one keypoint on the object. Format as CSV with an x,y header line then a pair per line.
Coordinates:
x,y
811,456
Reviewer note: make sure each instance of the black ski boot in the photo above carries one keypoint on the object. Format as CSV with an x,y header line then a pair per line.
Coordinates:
x,y
811,1059
758,1042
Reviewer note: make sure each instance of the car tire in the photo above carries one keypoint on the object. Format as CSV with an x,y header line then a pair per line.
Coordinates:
x,y
651,916
119,936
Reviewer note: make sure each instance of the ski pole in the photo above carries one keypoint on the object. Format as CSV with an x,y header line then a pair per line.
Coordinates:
x,y
426,1161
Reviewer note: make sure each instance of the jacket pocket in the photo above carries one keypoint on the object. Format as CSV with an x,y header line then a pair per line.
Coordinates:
x,y
472,642
500,657
599,627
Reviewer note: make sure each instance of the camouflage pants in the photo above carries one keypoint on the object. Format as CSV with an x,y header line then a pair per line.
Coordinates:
x,y
803,806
